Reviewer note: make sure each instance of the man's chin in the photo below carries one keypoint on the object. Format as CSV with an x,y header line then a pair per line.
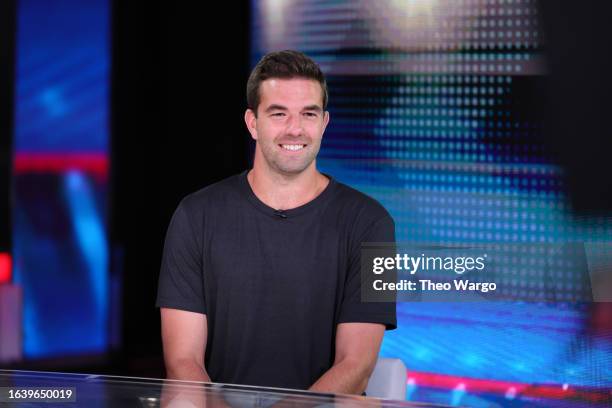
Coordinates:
x,y
293,170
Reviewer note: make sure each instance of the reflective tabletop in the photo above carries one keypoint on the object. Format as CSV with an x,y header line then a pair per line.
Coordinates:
x,y
49,389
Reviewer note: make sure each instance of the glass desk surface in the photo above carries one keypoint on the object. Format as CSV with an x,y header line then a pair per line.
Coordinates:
x,y
18,389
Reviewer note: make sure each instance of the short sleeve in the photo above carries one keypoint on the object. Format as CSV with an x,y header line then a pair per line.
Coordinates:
x,y
353,310
181,278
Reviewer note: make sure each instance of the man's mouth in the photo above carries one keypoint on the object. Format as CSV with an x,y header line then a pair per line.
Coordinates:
x,y
292,147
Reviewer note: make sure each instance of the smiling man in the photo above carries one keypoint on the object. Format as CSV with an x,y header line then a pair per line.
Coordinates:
x,y
260,277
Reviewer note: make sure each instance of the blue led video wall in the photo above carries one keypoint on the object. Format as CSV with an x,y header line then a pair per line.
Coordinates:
x,y
61,175
435,112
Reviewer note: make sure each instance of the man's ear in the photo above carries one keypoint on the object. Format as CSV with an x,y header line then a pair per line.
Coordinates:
x,y
325,120
251,122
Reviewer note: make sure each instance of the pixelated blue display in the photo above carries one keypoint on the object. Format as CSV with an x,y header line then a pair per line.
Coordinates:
x,y
434,113
62,73
59,214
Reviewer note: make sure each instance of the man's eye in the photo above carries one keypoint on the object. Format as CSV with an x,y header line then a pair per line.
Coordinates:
x,y
310,114
278,114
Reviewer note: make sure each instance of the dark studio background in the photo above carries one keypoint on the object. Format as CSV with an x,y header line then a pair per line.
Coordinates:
x,y
7,37
178,99
578,99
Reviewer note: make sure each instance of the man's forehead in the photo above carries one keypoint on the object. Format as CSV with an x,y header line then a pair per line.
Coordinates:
x,y
295,81
296,89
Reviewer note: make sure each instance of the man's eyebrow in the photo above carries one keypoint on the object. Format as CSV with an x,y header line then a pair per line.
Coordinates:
x,y
276,107
313,108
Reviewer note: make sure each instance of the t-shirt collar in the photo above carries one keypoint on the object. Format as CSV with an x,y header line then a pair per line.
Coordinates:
x,y
316,202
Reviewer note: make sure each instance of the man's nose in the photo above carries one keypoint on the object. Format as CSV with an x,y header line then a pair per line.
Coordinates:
x,y
294,126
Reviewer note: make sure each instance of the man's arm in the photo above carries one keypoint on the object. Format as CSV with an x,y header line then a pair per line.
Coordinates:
x,y
357,347
184,337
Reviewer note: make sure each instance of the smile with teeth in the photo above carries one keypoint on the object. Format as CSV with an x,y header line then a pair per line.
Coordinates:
x,y
293,147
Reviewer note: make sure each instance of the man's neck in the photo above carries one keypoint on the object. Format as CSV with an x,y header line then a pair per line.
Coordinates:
x,y
284,192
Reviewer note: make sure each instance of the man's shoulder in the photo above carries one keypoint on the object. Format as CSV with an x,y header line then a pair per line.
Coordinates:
x,y
359,203
217,194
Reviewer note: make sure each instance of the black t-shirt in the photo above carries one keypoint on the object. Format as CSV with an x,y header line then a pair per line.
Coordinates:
x,y
273,285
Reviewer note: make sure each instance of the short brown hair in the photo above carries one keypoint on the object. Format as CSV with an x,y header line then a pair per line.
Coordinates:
x,y
283,64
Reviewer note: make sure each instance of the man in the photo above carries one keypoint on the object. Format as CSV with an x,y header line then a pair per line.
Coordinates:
x,y
260,278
